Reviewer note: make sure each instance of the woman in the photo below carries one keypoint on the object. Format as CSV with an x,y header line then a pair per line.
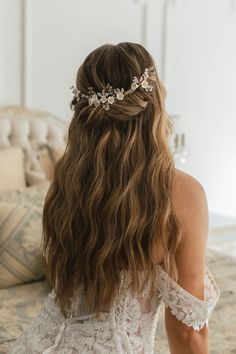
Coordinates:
x,y
123,229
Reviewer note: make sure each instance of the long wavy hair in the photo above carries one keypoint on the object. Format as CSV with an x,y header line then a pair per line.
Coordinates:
x,y
109,203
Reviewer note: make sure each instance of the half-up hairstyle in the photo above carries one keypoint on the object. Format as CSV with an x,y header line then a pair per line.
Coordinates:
x,y
109,202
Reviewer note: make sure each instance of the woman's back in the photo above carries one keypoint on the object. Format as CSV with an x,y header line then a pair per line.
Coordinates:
x,y
130,326
123,229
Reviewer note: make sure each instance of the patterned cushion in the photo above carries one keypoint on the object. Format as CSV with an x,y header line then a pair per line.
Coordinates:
x,y
34,195
20,243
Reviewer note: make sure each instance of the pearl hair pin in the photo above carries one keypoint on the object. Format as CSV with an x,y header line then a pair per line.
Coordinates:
x,y
108,96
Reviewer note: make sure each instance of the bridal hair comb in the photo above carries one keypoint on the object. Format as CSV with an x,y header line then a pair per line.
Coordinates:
x,y
110,95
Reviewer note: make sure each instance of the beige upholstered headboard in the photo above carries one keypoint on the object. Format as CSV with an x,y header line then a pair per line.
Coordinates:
x,y
28,128
31,129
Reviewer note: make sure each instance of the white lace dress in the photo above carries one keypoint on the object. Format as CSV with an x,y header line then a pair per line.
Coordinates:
x,y
129,328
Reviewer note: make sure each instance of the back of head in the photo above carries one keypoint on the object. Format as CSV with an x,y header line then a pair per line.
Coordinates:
x,y
117,65
110,198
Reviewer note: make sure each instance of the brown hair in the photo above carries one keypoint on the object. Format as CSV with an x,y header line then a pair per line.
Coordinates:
x,y
110,198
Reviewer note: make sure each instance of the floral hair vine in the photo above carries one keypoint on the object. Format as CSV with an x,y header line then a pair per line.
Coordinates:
x,y
108,96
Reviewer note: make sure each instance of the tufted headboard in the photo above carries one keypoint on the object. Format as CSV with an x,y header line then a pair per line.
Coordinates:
x,y
31,129
28,128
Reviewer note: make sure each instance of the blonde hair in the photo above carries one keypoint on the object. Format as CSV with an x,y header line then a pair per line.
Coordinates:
x,y
110,198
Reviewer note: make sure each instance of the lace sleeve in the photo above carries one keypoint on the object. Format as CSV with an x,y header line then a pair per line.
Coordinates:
x,y
186,307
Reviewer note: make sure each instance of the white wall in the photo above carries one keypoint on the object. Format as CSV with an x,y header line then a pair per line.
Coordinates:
x,y
43,42
72,35
10,52
56,36
201,84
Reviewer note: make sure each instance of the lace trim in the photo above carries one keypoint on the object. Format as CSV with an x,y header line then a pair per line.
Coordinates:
x,y
129,328
186,307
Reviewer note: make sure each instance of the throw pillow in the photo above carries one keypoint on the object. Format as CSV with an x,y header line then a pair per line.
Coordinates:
x,y
12,168
20,244
48,157
34,195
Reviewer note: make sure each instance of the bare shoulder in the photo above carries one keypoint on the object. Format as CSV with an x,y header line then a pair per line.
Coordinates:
x,y
189,198
191,208
183,179
187,188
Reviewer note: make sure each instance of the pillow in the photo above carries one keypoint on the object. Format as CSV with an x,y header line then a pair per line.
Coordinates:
x,y
12,168
40,163
20,244
33,170
48,157
34,195
46,162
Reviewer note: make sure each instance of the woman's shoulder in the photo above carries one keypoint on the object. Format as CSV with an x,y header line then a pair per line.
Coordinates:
x,y
191,208
189,197
192,298
187,185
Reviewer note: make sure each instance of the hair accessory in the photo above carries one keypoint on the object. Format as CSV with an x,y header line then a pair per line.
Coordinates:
x,y
110,95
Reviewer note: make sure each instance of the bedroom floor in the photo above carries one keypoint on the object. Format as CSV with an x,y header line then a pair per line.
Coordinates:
x,y
222,235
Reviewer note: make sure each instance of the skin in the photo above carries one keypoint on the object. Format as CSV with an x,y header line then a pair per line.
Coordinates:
x,y
190,205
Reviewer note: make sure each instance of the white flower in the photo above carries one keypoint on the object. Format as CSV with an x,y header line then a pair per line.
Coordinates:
x,y
109,95
93,99
111,99
120,96
144,84
134,86
75,91
96,103
103,99
146,74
